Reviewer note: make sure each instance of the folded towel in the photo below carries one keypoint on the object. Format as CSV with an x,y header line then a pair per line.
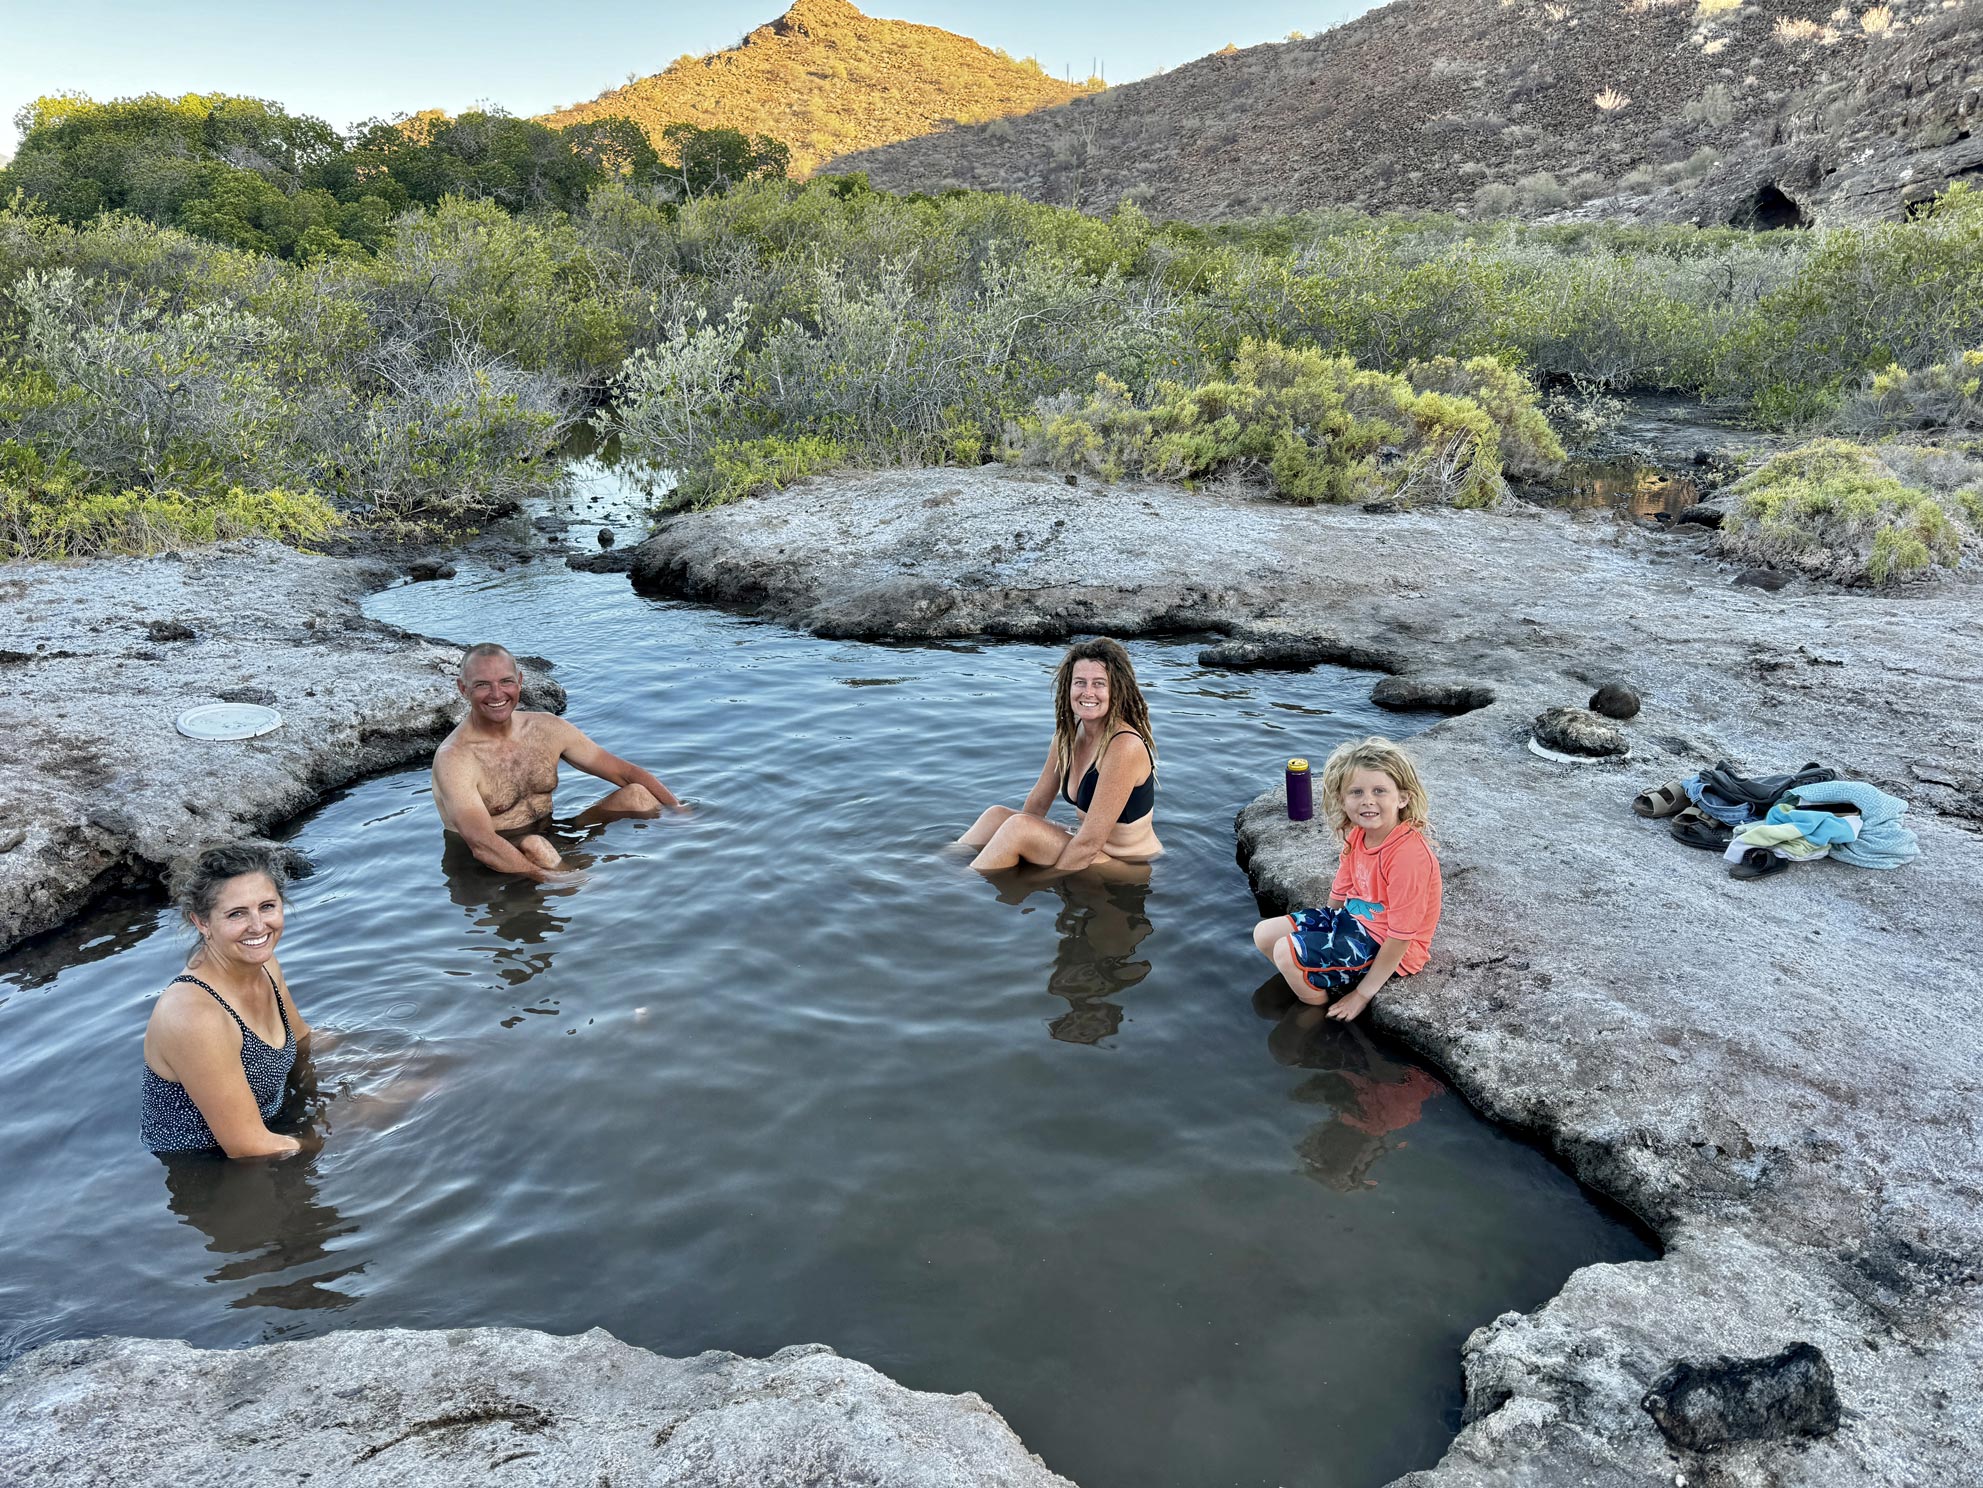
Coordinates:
x,y
1882,842
1821,827
1781,838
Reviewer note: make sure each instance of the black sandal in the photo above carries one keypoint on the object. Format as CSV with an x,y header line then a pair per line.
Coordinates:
x,y
1696,828
1758,862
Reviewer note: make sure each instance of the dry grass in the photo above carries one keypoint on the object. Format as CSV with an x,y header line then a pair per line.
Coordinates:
x,y
1611,101
1878,21
1789,31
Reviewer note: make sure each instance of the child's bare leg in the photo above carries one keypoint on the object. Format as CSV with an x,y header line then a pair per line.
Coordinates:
x,y
982,829
1297,979
1268,933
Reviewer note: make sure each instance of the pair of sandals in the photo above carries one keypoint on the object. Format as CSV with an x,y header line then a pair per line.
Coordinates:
x,y
1688,823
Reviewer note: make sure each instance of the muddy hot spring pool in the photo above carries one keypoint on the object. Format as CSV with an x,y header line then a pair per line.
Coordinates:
x,y
786,1071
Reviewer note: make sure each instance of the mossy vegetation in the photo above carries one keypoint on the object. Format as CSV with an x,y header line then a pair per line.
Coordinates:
x,y
1853,513
1316,428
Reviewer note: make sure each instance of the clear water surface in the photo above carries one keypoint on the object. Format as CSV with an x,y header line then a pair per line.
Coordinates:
x,y
785,1070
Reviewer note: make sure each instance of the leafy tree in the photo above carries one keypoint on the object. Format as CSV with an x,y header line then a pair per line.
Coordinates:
x,y
708,162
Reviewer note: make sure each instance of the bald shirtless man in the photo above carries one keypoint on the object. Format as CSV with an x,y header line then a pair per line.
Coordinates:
x,y
494,775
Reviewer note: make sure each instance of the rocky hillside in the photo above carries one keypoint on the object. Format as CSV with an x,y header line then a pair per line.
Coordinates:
x,y
826,79
1655,108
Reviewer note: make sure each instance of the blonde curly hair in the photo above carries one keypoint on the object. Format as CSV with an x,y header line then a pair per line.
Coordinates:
x,y
1374,753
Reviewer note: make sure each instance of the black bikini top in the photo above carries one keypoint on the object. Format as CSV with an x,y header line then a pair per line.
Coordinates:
x,y
1141,801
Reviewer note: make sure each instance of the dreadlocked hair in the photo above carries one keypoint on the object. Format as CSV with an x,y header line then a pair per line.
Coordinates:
x,y
1127,710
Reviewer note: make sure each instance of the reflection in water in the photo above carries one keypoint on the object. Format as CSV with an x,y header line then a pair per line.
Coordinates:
x,y
1102,919
265,1221
517,910
1101,923
114,925
1370,1095
1626,486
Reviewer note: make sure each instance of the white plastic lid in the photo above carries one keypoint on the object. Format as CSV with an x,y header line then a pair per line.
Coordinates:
x,y
228,721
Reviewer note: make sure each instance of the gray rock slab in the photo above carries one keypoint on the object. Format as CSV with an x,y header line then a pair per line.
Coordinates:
x,y
95,783
399,1408
1784,1078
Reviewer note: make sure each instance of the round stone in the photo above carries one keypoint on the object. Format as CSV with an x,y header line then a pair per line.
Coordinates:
x,y
1615,700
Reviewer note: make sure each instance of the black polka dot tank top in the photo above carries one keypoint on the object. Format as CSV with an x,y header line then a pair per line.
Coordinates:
x,y
172,1123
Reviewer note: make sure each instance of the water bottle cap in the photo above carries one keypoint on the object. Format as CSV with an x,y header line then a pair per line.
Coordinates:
x,y
1298,766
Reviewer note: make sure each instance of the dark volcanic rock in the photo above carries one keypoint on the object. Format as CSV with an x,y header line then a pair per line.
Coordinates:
x,y
261,696
169,630
1767,579
1405,693
1702,1405
1578,731
606,537
616,560
425,570
1298,652
1700,515
1615,700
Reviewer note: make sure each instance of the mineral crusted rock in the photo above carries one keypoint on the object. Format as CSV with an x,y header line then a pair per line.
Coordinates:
x,y
396,1408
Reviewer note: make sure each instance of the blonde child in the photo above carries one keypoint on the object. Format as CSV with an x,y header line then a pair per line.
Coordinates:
x,y
1384,903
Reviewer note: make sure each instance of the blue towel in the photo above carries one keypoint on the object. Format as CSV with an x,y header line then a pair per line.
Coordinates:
x,y
1720,807
1882,842
1821,827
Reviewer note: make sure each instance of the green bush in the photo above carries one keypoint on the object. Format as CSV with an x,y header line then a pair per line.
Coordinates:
x,y
1946,395
1316,428
49,513
1840,511
740,468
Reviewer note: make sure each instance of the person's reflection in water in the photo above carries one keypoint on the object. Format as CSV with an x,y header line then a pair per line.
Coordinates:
x,y
1102,919
516,910
1372,1096
264,1218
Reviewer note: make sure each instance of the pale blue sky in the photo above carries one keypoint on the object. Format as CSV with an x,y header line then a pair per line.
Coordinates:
x,y
346,60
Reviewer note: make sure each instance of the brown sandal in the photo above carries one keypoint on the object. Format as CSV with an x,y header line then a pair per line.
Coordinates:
x,y
1661,801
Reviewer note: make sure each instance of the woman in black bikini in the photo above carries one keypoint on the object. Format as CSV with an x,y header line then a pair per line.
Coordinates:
x,y
1102,763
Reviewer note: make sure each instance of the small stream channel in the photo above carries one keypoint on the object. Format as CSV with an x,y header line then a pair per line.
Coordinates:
x,y
784,1070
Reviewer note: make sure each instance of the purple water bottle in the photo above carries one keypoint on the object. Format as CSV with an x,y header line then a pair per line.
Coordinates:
x,y
1301,793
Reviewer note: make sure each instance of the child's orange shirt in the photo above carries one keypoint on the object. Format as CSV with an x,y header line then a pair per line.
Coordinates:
x,y
1402,875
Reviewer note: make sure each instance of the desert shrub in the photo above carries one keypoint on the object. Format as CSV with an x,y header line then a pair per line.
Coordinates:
x,y
255,376
49,512
1494,199
740,468
1527,444
1315,428
1839,511
1716,105
1945,395
1541,192
1861,300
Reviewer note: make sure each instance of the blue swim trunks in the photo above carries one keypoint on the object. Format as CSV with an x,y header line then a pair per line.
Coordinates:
x,y
1332,947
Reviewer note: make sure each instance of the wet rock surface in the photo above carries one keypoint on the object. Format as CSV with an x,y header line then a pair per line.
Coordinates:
x,y
1407,693
1781,1077
402,1409
93,776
